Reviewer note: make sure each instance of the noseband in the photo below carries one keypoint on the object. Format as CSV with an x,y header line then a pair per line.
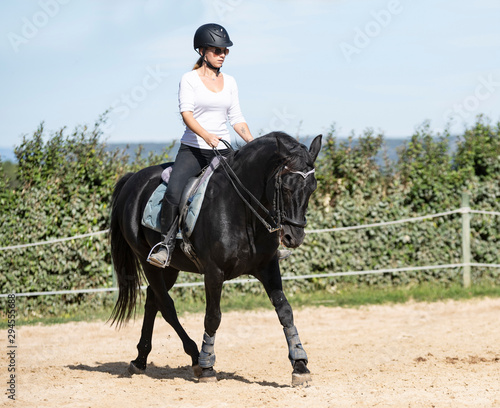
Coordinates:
x,y
277,214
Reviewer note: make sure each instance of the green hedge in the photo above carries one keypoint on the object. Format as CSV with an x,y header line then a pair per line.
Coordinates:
x,y
64,183
429,177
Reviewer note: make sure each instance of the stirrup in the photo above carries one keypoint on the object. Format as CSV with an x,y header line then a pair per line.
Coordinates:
x,y
283,254
153,261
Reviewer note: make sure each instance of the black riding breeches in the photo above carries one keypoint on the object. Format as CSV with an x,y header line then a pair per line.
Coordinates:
x,y
188,163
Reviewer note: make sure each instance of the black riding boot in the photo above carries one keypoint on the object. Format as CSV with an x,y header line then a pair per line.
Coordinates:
x,y
169,226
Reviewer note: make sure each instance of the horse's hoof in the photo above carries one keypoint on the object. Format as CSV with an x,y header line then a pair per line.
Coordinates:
x,y
301,380
301,376
133,369
207,375
197,370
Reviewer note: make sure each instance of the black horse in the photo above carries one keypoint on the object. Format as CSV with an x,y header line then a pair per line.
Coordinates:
x,y
231,238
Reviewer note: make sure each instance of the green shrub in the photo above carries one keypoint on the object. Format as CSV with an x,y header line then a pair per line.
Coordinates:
x,y
429,177
65,188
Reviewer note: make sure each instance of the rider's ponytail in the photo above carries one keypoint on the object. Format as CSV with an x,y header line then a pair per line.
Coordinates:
x,y
199,63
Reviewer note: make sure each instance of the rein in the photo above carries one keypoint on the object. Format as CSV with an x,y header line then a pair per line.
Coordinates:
x,y
281,218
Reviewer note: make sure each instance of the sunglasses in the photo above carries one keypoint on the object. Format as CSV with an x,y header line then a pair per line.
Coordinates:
x,y
219,51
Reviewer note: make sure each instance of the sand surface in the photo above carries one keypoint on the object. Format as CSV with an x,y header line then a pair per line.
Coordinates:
x,y
444,354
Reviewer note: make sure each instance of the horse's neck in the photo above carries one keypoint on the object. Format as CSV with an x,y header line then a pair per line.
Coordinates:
x,y
255,169
263,159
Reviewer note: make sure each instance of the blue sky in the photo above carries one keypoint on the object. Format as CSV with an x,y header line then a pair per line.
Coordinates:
x,y
300,65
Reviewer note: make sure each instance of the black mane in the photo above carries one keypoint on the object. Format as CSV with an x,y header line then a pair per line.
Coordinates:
x,y
287,150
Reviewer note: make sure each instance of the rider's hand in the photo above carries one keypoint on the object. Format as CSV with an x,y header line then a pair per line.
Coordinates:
x,y
212,139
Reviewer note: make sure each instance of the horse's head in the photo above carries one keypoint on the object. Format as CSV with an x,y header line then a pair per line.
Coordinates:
x,y
295,182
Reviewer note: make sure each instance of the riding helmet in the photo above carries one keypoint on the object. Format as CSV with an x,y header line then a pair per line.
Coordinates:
x,y
211,35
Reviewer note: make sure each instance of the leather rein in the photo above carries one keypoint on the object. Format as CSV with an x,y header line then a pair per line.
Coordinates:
x,y
277,215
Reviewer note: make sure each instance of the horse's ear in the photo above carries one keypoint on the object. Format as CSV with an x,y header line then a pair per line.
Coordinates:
x,y
315,147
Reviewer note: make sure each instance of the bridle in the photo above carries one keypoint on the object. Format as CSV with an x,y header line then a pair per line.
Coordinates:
x,y
278,202
277,214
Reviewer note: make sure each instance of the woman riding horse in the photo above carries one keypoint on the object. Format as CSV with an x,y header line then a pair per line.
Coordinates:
x,y
207,100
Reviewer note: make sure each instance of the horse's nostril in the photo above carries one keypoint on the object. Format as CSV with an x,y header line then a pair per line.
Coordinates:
x,y
288,241
292,238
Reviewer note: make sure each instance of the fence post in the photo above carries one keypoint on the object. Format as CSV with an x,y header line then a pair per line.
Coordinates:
x,y
466,239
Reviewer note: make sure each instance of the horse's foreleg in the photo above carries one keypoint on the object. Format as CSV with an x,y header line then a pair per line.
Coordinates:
x,y
271,280
296,353
213,290
138,366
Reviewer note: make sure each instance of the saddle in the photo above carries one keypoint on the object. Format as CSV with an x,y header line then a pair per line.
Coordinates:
x,y
189,206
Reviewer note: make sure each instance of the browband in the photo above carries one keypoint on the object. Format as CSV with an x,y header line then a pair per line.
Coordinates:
x,y
301,172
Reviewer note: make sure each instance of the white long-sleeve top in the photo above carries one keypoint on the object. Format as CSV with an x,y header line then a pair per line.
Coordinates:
x,y
212,110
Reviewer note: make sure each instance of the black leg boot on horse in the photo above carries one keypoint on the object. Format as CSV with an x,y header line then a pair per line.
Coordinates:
x,y
169,218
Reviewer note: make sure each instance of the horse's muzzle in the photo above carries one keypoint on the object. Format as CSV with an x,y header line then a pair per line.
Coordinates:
x,y
292,237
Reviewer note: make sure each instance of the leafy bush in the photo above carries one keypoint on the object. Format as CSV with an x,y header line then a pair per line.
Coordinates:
x,y
429,177
66,182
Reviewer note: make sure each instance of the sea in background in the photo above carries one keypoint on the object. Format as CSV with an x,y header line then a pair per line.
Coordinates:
x,y
391,148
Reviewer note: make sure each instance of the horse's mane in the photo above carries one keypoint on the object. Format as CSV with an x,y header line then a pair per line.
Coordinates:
x,y
294,155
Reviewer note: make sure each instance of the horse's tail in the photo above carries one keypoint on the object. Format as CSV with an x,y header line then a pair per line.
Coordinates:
x,y
126,264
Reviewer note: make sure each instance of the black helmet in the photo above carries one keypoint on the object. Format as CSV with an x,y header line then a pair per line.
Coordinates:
x,y
211,35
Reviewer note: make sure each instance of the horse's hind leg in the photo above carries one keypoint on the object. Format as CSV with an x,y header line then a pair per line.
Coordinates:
x,y
138,366
160,282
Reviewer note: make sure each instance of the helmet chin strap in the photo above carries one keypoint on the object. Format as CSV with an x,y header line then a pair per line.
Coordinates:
x,y
209,65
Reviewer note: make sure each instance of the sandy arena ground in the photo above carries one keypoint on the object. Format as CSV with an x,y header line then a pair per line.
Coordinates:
x,y
443,354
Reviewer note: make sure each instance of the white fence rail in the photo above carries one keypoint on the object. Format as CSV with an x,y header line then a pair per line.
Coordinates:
x,y
466,258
